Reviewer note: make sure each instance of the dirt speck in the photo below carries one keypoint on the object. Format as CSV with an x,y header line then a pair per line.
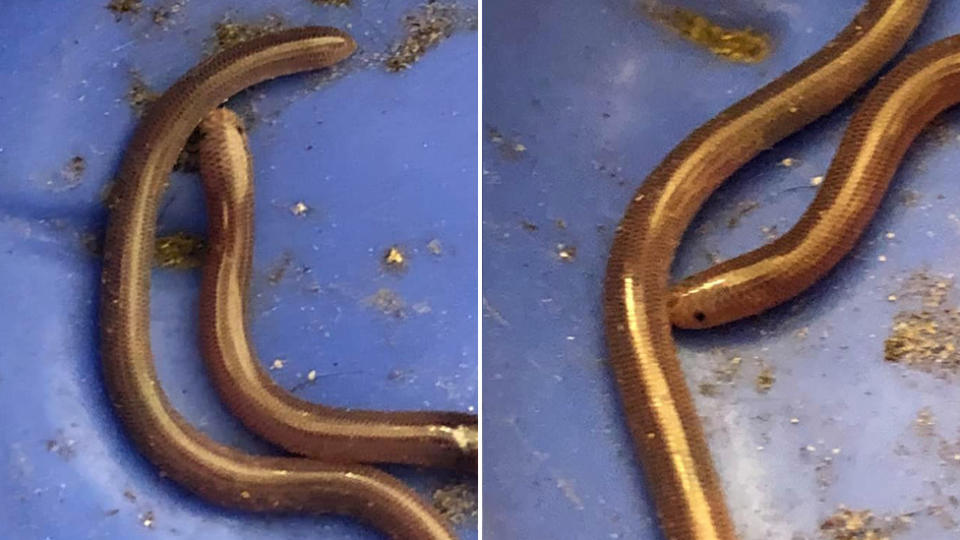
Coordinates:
x,y
228,33
925,336
72,172
338,3
388,302
147,519
709,389
62,446
425,28
279,269
789,162
510,148
140,95
566,253
394,259
846,524
909,198
180,251
743,45
765,379
299,209
456,502
435,247
162,15
119,8
743,208
734,370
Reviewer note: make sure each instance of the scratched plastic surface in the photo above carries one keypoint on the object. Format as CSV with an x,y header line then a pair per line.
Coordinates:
x,y
380,158
597,97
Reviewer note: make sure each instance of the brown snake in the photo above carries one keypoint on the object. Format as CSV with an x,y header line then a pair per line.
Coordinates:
x,y
216,472
426,438
660,412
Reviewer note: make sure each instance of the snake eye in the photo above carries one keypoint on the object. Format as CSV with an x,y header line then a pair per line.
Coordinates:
x,y
699,316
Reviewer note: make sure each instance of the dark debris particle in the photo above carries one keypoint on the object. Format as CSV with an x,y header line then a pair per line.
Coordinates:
x,y
743,208
140,95
119,8
162,15
909,198
61,446
181,251
457,502
709,389
425,28
72,171
765,379
846,524
338,3
112,512
279,269
228,33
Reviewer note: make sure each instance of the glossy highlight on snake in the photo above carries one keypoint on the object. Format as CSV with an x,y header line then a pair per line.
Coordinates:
x,y
216,472
639,305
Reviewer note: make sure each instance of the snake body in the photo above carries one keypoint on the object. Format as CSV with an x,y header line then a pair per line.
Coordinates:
x,y
663,422
216,472
425,438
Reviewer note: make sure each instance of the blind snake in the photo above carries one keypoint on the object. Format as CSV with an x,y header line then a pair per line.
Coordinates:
x,y
216,472
639,306
425,438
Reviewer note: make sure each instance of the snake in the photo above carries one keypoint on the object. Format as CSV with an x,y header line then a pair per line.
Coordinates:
x,y
423,438
640,307
216,472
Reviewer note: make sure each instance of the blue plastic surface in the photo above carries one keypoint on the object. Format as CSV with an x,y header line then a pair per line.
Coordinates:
x,y
596,94
380,158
